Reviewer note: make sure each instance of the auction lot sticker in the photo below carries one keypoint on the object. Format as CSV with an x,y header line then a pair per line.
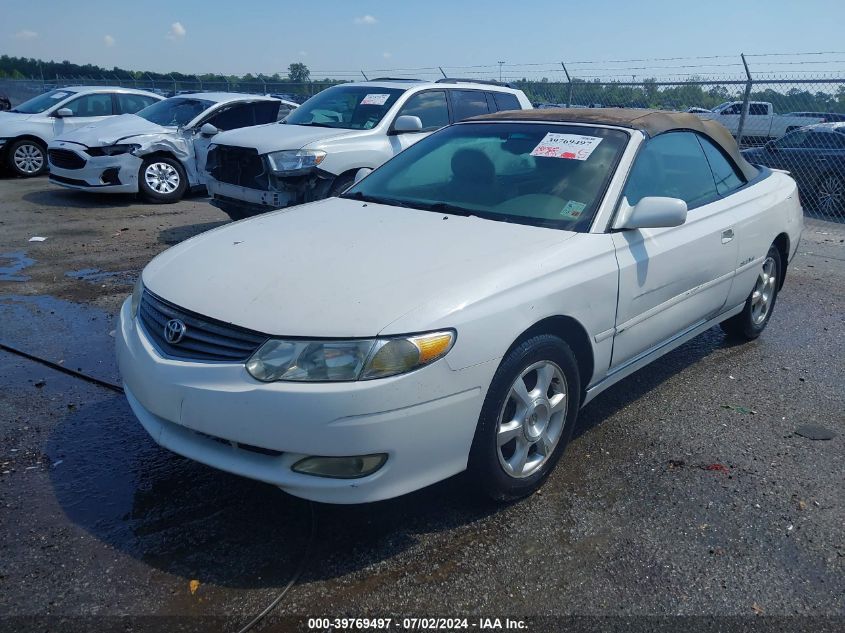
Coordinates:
x,y
375,99
571,146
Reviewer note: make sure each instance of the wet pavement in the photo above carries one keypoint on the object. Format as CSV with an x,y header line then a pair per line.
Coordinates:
x,y
687,490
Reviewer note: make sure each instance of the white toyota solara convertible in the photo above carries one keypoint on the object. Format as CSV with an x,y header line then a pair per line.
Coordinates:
x,y
457,307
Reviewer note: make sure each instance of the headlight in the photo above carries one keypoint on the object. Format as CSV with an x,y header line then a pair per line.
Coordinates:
x,y
112,150
340,361
137,293
295,160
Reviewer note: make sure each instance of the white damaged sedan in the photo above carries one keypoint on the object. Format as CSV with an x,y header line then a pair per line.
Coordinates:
x,y
457,307
159,151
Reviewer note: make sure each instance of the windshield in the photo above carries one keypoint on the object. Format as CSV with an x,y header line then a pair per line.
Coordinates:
x,y
177,111
347,107
540,174
43,102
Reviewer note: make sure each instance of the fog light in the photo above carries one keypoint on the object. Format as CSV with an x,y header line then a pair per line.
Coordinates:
x,y
340,467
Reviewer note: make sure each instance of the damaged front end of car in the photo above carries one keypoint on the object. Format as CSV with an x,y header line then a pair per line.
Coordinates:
x,y
243,183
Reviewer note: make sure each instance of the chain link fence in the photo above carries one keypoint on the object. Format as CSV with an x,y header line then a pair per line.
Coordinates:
x,y
766,112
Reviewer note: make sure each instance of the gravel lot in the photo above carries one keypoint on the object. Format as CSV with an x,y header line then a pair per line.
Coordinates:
x,y
686,491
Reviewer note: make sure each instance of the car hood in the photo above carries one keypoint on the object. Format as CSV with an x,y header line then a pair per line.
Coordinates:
x,y
342,268
273,137
113,130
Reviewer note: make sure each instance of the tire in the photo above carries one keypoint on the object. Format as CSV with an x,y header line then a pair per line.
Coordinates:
x,y
750,323
341,184
828,197
27,158
511,425
162,180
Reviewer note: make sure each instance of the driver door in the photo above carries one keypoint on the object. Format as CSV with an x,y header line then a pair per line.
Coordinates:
x,y
672,279
87,109
432,109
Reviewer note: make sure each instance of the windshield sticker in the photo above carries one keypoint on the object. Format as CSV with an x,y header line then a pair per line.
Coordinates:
x,y
571,146
573,209
59,95
375,99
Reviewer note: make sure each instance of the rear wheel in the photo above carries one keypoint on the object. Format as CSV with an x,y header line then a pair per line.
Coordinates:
x,y
751,322
829,195
527,418
27,158
162,180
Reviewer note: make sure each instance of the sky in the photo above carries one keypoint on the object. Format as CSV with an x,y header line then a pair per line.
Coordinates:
x,y
338,38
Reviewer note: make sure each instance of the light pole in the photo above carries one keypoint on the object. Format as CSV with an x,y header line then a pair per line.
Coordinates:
x,y
500,70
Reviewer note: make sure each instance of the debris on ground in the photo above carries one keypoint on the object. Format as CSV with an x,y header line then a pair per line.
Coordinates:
x,y
37,238
193,586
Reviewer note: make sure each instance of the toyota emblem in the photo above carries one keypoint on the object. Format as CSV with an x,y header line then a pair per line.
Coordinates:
x,y
174,331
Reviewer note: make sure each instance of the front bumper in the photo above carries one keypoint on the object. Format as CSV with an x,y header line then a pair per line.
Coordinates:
x,y
107,174
215,413
249,201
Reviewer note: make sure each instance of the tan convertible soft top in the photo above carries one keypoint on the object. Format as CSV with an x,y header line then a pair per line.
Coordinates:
x,y
652,122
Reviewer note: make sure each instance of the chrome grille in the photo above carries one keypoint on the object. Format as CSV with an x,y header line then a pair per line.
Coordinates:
x,y
65,159
205,339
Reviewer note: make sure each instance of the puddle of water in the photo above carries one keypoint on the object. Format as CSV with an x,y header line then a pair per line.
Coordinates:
x,y
95,275
77,335
11,264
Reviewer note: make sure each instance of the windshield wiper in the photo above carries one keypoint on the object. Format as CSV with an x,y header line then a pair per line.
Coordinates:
x,y
379,200
449,208
312,124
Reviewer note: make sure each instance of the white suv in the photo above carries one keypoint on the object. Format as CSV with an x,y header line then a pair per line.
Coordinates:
x,y
26,130
318,149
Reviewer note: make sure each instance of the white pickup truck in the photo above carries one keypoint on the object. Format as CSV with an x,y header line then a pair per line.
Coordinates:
x,y
761,122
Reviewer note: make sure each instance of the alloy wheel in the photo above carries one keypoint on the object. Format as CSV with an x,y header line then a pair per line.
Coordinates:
x,y
28,158
531,420
764,292
831,195
162,177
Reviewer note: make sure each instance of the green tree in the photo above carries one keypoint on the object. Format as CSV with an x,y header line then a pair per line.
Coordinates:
x,y
299,73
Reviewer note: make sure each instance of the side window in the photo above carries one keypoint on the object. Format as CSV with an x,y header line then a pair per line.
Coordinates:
x,y
825,140
793,140
758,109
506,101
724,173
91,105
734,109
267,112
234,117
467,103
130,104
430,106
672,165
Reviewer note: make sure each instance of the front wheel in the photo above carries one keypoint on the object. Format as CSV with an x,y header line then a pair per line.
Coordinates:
x,y
162,180
27,158
527,418
750,323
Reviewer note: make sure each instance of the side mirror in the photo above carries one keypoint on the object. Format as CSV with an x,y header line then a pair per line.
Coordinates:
x,y
208,130
361,174
652,212
64,112
407,123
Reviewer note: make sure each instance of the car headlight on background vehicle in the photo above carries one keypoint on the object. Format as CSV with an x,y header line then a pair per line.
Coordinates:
x,y
295,160
343,361
137,293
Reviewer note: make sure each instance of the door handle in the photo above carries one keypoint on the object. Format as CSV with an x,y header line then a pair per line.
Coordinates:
x,y
727,235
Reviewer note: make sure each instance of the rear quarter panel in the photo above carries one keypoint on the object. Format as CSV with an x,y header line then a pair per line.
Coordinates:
x,y
764,210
